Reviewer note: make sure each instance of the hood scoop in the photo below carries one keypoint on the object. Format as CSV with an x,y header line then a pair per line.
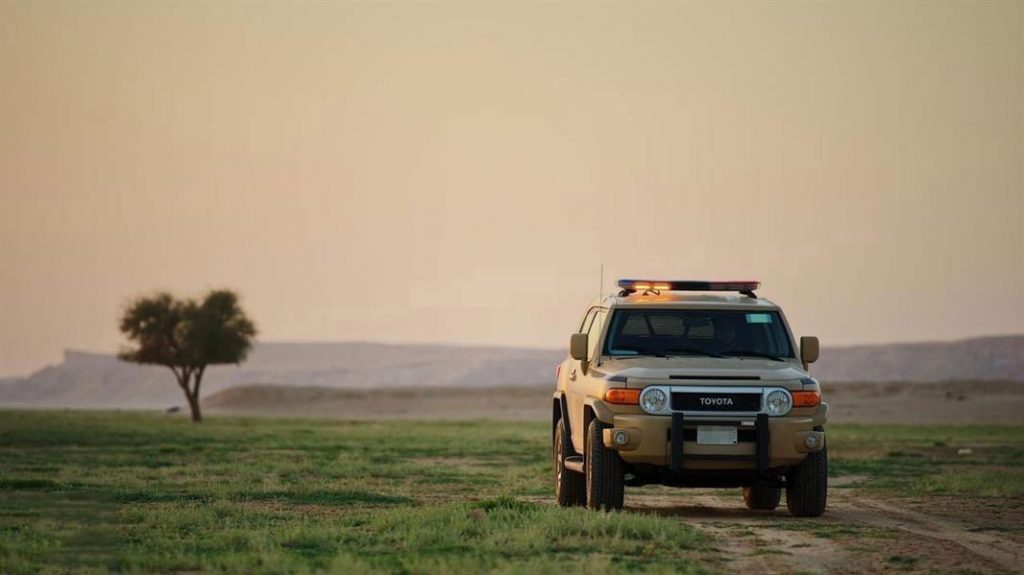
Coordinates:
x,y
718,377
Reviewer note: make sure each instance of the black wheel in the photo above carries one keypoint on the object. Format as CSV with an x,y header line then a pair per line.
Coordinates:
x,y
807,485
569,485
762,497
605,485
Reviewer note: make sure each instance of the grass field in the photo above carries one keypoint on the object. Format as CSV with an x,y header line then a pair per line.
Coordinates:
x,y
90,491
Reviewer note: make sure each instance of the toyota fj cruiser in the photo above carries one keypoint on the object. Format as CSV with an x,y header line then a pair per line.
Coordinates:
x,y
689,390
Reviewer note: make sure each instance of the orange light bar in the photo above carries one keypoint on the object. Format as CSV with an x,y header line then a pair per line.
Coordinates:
x,y
689,285
622,396
806,398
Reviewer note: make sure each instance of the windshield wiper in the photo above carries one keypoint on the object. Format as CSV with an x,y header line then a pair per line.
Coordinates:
x,y
754,354
692,351
641,351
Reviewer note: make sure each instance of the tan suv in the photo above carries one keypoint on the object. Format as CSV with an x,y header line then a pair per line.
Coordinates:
x,y
689,390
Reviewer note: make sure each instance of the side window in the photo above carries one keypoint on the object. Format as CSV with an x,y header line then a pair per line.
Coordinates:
x,y
585,326
595,332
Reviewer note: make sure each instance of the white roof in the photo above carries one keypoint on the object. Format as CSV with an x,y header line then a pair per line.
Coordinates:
x,y
689,300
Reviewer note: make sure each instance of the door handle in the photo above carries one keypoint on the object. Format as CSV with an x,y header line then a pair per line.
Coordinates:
x,y
572,375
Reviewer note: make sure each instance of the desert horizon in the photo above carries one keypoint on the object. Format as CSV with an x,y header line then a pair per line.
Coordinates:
x,y
491,373
498,346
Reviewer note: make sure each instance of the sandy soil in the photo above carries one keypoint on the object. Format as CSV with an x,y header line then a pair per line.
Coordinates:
x,y
957,402
503,403
857,534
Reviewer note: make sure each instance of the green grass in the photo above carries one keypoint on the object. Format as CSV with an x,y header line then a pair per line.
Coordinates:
x,y
930,460
93,492
86,491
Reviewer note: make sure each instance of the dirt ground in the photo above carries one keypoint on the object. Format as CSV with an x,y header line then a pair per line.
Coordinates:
x,y
858,534
945,403
956,402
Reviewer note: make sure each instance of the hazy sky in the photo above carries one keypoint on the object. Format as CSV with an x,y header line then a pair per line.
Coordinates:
x,y
457,172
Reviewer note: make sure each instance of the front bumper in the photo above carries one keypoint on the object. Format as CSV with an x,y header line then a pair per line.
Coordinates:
x,y
763,442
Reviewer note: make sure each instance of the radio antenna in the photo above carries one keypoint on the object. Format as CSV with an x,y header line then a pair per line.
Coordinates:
x,y
600,287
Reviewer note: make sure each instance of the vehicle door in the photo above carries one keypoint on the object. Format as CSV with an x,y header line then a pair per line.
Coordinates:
x,y
582,383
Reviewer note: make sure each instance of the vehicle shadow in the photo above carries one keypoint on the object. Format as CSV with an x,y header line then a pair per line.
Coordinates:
x,y
710,506
704,512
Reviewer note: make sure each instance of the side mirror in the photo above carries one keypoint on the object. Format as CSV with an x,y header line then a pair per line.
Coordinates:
x,y
578,346
808,350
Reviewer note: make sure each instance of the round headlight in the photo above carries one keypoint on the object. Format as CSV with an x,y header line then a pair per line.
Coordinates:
x,y
778,402
653,400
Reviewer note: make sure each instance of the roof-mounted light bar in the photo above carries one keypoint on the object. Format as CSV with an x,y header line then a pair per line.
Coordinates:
x,y
744,287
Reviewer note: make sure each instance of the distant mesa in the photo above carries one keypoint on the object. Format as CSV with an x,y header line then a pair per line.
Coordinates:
x,y
982,358
96,380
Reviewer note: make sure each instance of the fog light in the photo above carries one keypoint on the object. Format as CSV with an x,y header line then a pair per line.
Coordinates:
x,y
620,437
811,441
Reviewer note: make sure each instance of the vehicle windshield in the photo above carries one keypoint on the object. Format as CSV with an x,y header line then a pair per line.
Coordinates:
x,y
691,332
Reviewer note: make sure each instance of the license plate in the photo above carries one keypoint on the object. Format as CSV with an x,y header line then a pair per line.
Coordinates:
x,y
716,435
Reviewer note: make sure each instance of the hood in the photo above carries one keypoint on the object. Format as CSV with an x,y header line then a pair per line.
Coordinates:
x,y
655,368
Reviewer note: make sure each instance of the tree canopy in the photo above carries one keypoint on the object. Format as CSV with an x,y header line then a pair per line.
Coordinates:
x,y
187,335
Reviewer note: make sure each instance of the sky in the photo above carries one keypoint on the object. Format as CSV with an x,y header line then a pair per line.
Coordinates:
x,y
459,172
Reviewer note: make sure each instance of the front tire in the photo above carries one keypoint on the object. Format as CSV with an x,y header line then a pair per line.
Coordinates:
x,y
605,478
569,485
807,485
762,497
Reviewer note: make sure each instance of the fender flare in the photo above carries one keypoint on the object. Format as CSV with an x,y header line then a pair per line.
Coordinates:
x,y
601,411
821,416
563,414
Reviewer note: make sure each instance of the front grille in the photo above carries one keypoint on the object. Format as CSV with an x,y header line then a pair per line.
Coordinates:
x,y
724,402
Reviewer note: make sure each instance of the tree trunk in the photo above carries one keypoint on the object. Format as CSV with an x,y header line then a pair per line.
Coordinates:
x,y
193,397
193,405
184,378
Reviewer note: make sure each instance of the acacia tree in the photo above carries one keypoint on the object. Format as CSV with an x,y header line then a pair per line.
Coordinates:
x,y
187,336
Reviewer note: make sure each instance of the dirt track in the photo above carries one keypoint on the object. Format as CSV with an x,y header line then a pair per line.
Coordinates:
x,y
858,533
